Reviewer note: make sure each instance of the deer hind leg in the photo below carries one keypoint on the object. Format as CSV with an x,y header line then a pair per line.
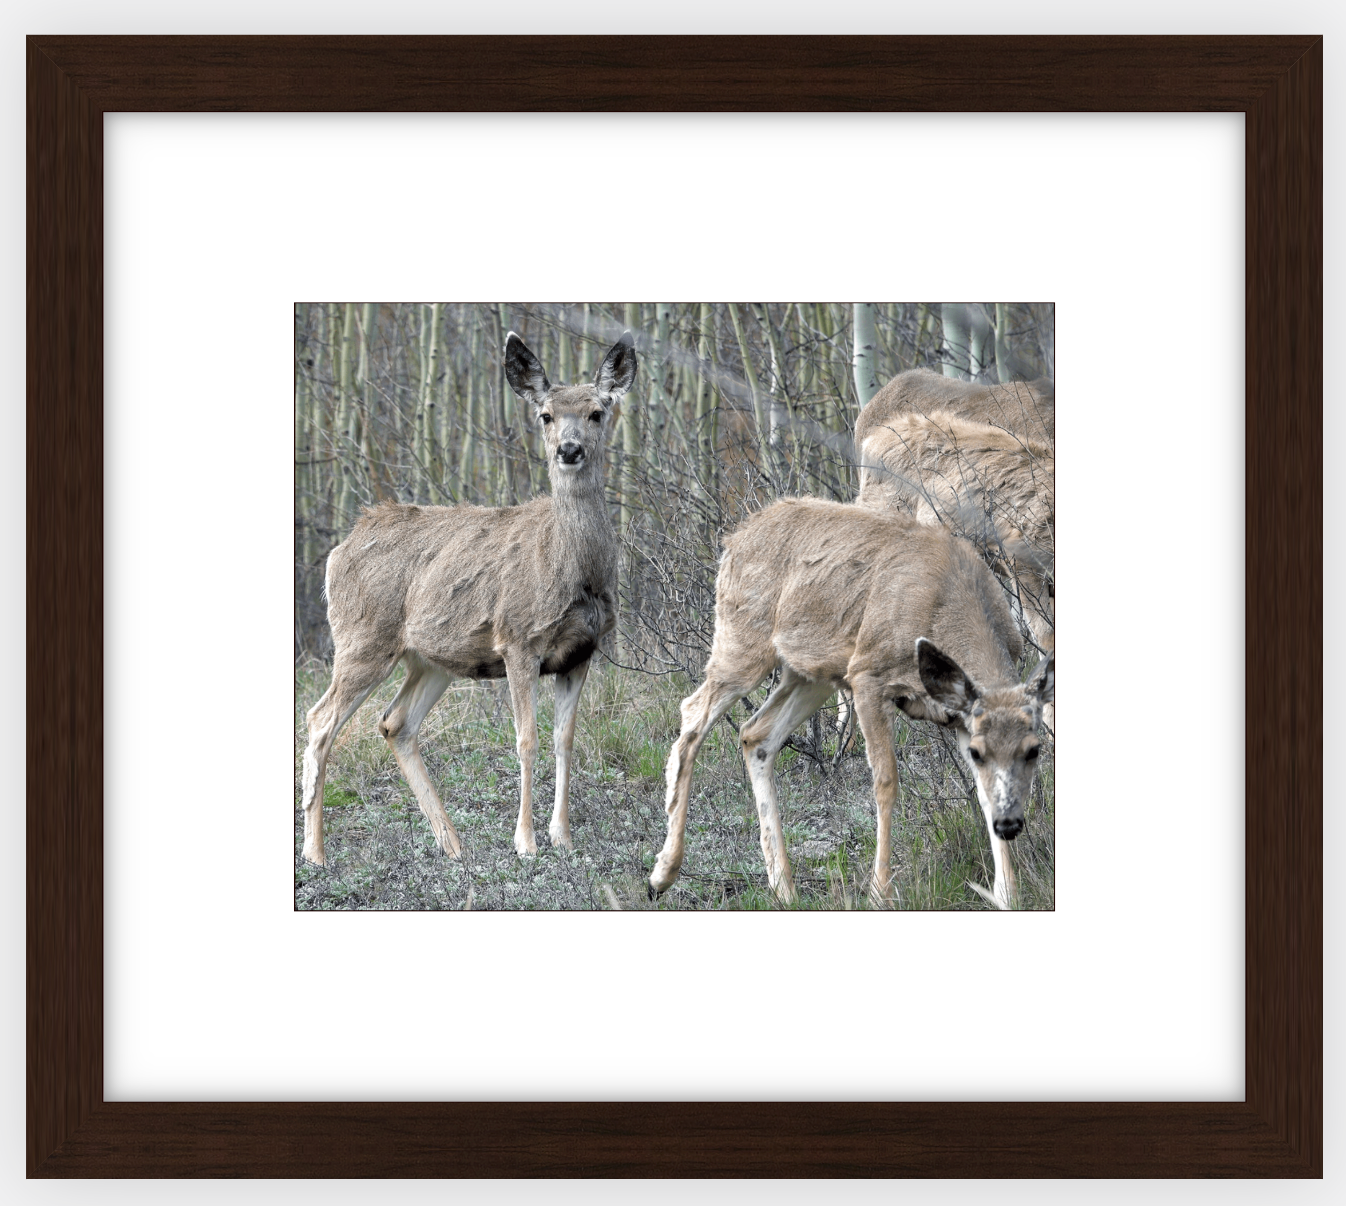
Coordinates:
x,y
568,687
700,711
793,701
522,671
400,725
352,681
877,727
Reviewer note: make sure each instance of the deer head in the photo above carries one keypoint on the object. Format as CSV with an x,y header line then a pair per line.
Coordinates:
x,y
575,419
997,731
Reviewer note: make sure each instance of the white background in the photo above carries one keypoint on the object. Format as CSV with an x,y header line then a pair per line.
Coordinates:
x,y
249,720
218,224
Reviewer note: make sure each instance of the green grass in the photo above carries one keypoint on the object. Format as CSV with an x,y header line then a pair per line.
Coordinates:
x,y
381,854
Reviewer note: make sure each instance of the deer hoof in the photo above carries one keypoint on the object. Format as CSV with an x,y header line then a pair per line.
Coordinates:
x,y
662,877
881,894
561,837
525,844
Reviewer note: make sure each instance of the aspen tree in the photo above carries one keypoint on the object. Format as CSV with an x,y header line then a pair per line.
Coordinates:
x,y
303,437
954,321
979,339
1002,351
430,362
502,393
586,364
566,361
661,396
704,401
865,355
758,406
341,442
630,428
466,469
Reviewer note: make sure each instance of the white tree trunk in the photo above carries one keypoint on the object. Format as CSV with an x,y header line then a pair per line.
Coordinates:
x,y
1002,352
953,318
864,359
980,336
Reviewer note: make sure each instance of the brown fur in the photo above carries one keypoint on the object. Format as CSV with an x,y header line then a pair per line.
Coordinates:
x,y
841,595
1026,408
480,592
460,585
984,482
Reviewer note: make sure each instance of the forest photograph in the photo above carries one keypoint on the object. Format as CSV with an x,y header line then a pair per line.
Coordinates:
x,y
674,606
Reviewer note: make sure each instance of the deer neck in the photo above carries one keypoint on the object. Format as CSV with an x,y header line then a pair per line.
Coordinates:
x,y
580,492
580,513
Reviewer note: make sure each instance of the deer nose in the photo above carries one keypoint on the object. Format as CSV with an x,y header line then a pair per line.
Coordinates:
x,y
1008,827
571,452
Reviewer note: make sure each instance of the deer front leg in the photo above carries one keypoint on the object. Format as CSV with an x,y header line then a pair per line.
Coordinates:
x,y
568,688
1005,889
877,726
522,671
793,701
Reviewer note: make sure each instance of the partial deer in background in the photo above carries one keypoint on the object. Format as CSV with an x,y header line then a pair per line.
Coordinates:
x,y
994,487
1026,408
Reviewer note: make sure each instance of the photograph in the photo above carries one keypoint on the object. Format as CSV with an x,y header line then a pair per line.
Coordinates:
x,y
773,584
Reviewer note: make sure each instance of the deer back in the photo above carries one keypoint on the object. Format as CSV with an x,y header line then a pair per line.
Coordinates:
x,y
458,584
837,589
994,486
1027,408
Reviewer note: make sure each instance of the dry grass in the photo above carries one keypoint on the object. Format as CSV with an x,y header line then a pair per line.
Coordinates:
x,y
381,854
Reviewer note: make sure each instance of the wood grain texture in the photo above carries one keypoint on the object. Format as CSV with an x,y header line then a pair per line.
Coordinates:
x,y
645,74
1275,82
1284,593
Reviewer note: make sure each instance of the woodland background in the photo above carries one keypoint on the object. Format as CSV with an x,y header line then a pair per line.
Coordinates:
x,y
734,405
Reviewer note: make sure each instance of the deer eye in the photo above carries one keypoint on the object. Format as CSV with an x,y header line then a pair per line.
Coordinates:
x,y
974,753
596,417
1031,754
546,420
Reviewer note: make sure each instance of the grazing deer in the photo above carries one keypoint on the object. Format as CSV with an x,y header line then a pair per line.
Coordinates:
x,y
983,482
902,614
480,592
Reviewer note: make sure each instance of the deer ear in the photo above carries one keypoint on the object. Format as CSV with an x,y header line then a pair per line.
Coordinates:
x,y
944,680
618,370
1043,681
524,371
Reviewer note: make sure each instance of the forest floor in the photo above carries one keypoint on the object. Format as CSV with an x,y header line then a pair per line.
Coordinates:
x,y
381,854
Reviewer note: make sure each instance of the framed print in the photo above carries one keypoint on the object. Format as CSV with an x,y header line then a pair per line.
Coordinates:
x,y
76,1128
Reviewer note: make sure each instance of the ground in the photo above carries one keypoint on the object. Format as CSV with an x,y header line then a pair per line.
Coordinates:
x,y
381,854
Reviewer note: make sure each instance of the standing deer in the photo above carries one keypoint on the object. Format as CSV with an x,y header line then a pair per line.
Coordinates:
x,y
480,592
902,614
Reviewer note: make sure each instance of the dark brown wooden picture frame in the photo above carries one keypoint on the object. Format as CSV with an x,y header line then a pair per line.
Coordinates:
x,y
1277,83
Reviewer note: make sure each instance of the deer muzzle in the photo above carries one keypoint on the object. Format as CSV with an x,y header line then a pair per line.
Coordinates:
x,y
1009,825
570,453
